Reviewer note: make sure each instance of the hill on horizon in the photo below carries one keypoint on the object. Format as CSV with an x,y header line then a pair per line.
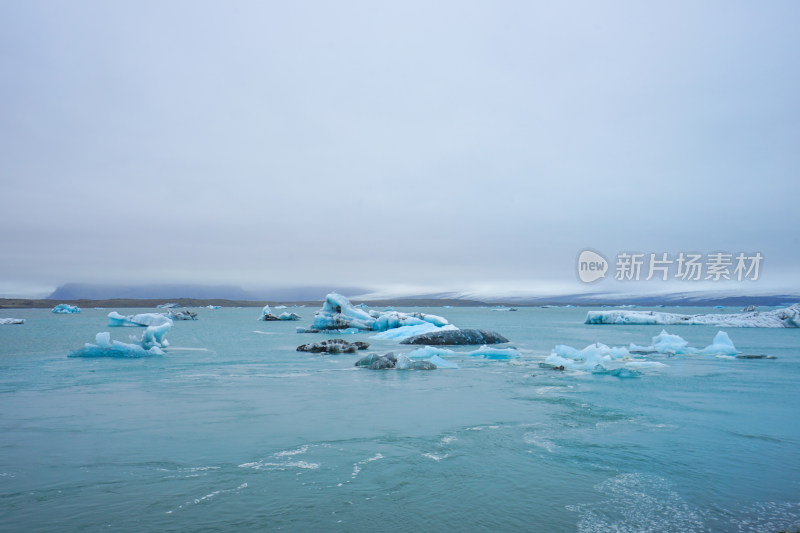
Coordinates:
x,y
86,291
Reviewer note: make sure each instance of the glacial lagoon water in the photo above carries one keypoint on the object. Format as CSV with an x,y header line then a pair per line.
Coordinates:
x,y
234,430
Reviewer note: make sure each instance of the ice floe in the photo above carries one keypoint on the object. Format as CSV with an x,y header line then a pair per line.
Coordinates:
x,y
788,317
150,344
141,320
8,321
65,309
597,357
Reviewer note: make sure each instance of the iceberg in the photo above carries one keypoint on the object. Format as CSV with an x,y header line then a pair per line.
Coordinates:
x,y
788,317
267,314
428,352
65,309
183,314
141,320
404,332
495,353
595,356
338,313
151,344
289,316
8,321
457,337
664,343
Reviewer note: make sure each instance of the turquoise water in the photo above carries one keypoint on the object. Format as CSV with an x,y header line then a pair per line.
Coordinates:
x,y
235,430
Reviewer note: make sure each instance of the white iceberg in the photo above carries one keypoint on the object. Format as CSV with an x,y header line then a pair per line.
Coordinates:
x,y
8,321
65,309
788,317
428,351
665,343
338,313
596,356
289,316
141,320
150,344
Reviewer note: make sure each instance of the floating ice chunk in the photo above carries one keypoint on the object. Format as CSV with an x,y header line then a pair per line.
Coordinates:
x,y
151,343
64,309
441,363
167,306
428,351
338,313
213,307
586,359
645,364
8,321
495,353
403,362
289,316
666,343
141,320
154,336
267,314
721,345
788,317
405,332
183,314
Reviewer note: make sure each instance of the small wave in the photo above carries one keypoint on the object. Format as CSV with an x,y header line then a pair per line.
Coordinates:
x,y
261,465
436,457
357,466
264,332
290,453
187,349
546,444
448,439
637,502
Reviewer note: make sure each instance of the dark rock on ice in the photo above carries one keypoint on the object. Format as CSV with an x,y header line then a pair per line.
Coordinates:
x,y
456,337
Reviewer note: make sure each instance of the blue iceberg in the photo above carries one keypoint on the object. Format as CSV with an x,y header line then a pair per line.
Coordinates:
x,y
150,344
66,309
338,313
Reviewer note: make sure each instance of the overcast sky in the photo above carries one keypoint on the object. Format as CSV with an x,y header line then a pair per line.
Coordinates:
x,y
430,145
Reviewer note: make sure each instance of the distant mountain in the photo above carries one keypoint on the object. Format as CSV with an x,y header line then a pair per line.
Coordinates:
x,y
79,291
